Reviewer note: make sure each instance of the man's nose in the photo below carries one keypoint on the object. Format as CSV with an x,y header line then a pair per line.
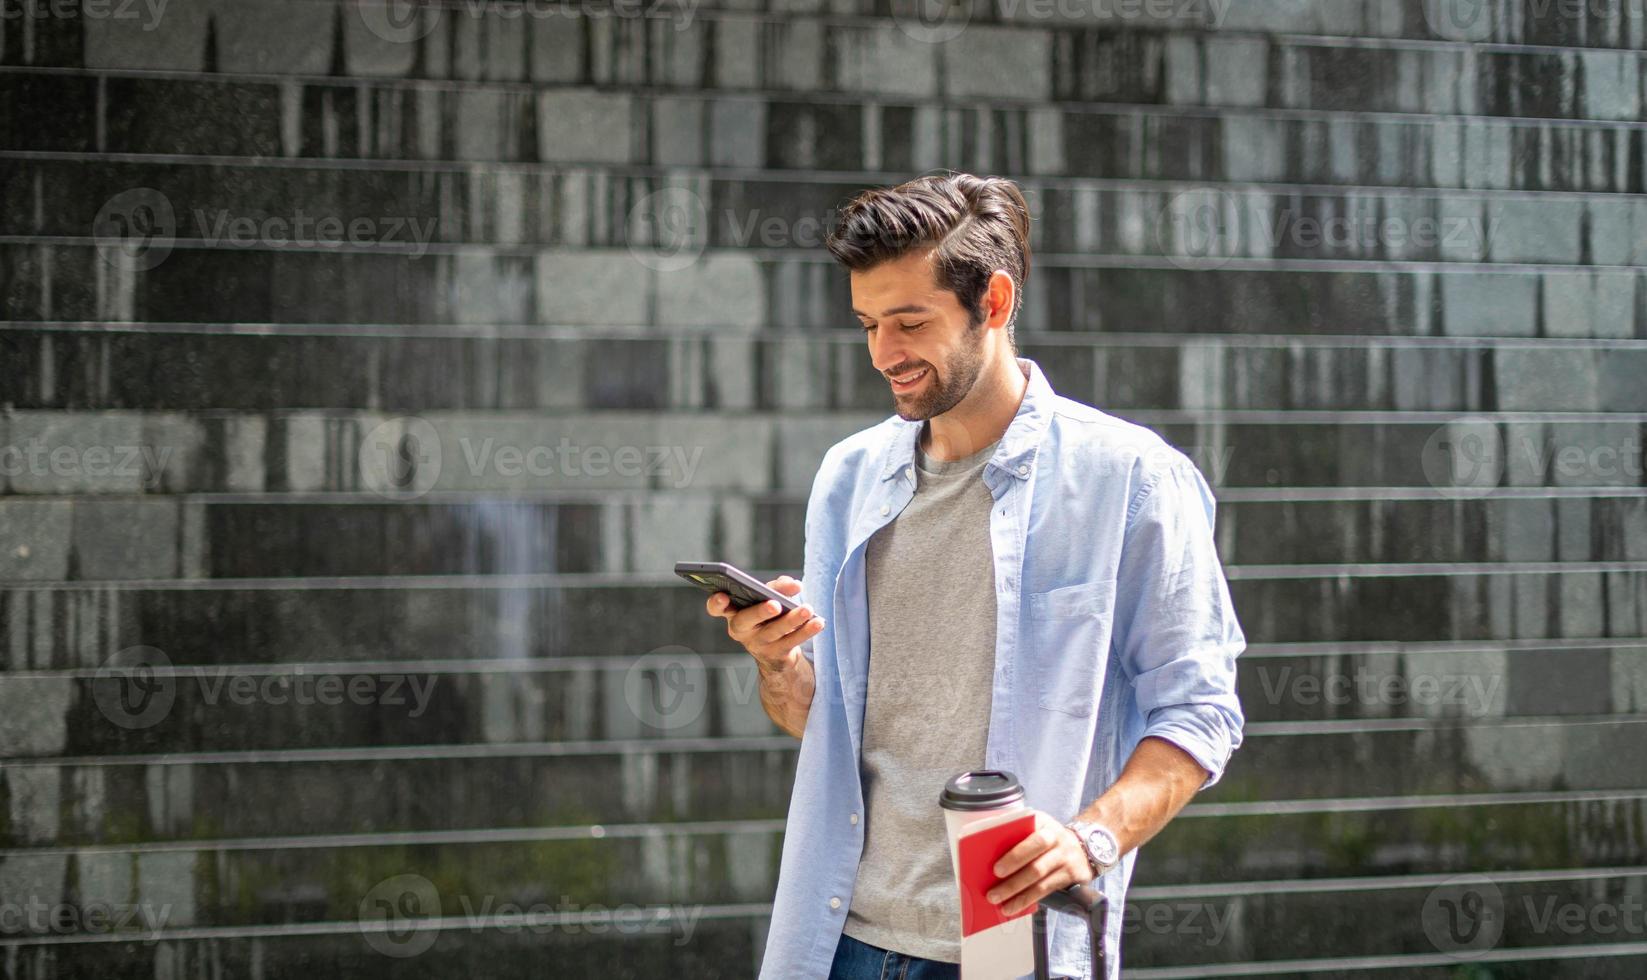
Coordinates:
x,y
885,350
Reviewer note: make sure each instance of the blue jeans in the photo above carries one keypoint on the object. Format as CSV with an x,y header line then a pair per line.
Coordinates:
x,y
856,960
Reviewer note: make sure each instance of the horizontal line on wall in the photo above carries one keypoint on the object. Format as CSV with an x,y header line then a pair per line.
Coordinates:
x,y
1425,569
1391,961
1055,260
564,580
395,924
1352,494
851,179
847,336
413,753
655,829
448,498
1365,883
742,743
751,910
945,100
1462,47
1151,416
1398,647
1360,726
1375,804
739,660
1143,24
419,838
762,911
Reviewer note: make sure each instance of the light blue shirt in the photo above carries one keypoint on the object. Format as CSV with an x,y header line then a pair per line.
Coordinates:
x,y
1113,623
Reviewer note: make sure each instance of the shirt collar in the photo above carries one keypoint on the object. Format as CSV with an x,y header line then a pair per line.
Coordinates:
x,y
1015,456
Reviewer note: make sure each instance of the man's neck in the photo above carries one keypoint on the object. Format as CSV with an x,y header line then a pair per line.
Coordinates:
x,y
982,416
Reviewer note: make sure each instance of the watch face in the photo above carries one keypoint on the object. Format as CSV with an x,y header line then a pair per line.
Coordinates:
x,y
1103,846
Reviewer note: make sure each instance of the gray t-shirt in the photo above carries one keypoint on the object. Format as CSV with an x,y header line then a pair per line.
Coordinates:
x,y
930,575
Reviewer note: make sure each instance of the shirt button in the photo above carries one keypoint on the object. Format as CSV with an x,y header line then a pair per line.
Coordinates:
x,y
834,903
886,509
1023,468
853,818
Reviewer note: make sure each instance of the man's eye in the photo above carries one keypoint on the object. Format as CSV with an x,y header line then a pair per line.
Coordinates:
x,y
916,326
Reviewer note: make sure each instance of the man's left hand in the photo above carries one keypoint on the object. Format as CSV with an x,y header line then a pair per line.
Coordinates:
x,y
1049,859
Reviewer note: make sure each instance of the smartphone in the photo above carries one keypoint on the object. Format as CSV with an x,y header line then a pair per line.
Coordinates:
x,y
745,589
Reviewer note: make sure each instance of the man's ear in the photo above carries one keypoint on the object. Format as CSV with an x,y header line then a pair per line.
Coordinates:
x,y
999,298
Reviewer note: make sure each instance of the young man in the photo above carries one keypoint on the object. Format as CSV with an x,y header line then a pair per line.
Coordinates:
x,y
996,577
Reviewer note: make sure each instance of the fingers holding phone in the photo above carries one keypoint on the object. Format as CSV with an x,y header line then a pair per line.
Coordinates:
x,y
766,630
763,617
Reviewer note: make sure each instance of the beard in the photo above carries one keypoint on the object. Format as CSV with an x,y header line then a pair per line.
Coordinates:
x,y
945,386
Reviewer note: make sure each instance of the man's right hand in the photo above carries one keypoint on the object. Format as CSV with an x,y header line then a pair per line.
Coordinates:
x,y
774,640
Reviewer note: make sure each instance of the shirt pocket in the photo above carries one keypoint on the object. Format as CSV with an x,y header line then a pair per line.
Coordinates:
x,y
1070,632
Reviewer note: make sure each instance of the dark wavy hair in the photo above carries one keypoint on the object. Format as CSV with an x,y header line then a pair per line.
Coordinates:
x,y
974,224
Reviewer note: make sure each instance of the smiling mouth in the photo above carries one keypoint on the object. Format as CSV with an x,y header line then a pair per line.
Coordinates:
x,y
908,381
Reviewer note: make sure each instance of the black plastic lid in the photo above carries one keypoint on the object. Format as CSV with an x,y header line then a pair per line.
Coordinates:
x,y
981,789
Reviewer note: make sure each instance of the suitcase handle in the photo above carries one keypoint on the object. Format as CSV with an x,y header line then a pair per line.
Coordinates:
x,y
1084,901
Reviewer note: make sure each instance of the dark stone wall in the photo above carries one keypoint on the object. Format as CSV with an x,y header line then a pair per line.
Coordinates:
x,y
364,368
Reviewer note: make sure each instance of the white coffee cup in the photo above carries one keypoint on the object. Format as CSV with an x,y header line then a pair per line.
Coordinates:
x,y
971,801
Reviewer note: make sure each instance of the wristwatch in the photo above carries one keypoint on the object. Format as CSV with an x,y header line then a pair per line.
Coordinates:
x,y
1103,850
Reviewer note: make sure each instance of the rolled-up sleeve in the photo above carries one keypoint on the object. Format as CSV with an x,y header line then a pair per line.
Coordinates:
x,y
1175,624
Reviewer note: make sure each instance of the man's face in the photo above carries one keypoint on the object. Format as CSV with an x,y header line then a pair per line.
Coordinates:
x,y
919,337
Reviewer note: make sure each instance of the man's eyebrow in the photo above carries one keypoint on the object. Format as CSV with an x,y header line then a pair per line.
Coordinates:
x,y
906,308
